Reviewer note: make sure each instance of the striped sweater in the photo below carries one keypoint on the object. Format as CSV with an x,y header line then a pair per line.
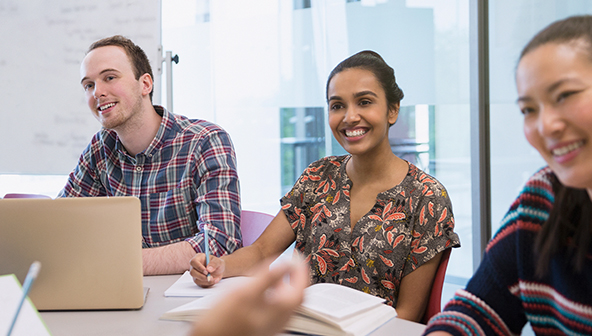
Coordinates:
x,y
504,293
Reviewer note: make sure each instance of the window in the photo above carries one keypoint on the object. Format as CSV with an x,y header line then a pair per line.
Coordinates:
x,y
302,141
255,58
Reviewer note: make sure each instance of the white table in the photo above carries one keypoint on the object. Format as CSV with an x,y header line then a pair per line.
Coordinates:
x,y
124,322
145,321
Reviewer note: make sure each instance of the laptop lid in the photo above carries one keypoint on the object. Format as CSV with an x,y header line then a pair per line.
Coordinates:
x,y
90,250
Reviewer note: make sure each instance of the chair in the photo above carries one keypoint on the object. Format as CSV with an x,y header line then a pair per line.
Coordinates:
x,y
435,300
253,224
19,195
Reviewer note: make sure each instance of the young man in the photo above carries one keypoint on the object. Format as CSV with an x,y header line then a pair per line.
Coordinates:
x,y
183,171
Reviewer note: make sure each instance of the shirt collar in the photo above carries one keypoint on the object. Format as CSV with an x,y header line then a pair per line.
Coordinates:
x,y
163,133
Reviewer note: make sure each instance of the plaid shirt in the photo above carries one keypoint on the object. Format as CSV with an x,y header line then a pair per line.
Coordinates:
x,y
185,179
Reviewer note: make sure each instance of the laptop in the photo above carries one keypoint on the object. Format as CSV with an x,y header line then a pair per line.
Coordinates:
x,y
90,250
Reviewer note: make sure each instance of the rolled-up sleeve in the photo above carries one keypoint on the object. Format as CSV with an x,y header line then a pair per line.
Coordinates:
x,y
218,196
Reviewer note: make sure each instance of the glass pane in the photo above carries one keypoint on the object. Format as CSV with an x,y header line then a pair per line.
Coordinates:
x,y
255,66
303,141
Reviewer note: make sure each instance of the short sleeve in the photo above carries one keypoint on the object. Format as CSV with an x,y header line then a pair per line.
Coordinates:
x,y
433,224
293,202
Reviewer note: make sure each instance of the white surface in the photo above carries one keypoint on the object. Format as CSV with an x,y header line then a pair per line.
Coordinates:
x,y
338,302
193,309
184,286
327,309
145,321
43,44
124,322
28,322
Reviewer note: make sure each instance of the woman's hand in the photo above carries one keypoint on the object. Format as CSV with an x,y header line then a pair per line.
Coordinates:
x,y
199,270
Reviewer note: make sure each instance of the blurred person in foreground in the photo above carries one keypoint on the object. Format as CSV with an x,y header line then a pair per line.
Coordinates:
x,y
260,308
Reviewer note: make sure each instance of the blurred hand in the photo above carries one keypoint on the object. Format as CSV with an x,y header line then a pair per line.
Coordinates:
x,y
260,308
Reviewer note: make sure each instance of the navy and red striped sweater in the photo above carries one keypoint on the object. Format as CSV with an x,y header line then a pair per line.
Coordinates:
x,y
504,293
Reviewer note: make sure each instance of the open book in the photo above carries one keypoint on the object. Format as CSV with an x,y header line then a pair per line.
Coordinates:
x,y
328,309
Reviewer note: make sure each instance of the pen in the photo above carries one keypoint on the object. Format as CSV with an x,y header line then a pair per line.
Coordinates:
x,y
207,250
31,275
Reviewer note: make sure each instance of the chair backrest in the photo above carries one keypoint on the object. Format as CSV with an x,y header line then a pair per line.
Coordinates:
x,y
435,301
253,224
19,195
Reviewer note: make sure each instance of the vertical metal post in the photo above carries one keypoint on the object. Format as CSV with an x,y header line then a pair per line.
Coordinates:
x,y
157,89
169,79
480,130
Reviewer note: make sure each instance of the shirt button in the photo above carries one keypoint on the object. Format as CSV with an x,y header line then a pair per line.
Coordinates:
x,y
138,168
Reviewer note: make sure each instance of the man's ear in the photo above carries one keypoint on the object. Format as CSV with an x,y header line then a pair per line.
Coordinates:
x,y
147,84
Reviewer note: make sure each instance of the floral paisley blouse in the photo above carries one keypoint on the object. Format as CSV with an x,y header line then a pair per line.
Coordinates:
x,y
408,225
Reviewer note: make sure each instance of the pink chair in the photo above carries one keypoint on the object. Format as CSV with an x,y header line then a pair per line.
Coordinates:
x,y
253,224
19,195
435,300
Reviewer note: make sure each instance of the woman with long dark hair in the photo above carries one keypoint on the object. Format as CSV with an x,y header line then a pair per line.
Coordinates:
x,y
538,267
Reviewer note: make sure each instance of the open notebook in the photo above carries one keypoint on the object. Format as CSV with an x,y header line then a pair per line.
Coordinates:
x,y
90,250
184,286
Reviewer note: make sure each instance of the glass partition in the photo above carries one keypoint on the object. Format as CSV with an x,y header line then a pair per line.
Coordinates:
x,y
259,69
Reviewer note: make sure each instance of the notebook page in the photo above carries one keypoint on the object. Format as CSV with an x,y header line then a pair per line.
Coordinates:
x,y
29,321
185,286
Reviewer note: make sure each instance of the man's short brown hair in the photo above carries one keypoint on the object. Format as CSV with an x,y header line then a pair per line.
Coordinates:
x,y
137,56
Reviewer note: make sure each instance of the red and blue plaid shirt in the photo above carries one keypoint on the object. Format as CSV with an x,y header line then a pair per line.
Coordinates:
x,y
185,179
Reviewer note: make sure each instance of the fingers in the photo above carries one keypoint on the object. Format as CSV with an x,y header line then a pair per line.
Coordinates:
x,y
203,280
261,307
198,263
269,285
266,278
300,274
206,275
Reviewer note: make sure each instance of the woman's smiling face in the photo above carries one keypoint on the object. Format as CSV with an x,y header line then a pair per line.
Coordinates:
x,y
358,112
554,83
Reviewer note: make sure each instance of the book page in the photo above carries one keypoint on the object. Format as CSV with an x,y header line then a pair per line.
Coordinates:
x,y
189,311
185,286
338,301
29,321
368,321
362,323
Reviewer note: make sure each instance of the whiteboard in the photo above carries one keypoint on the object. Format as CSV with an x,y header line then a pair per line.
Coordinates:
x,y
45,123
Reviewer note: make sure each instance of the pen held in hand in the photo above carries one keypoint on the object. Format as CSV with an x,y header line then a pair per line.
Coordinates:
x,y
207,251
